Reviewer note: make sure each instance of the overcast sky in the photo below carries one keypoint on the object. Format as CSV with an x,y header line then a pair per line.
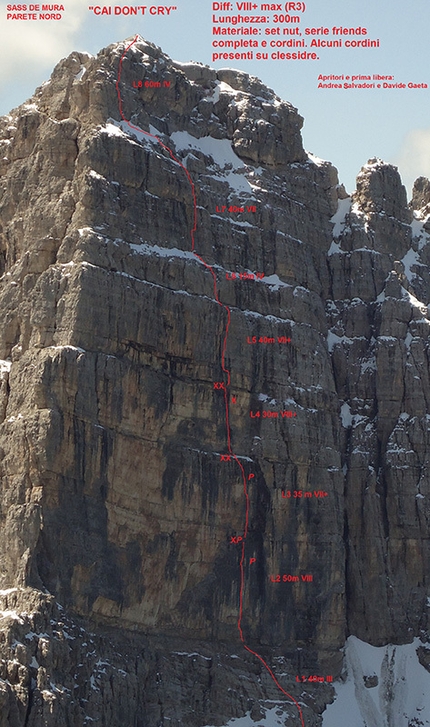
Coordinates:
x,y
345,126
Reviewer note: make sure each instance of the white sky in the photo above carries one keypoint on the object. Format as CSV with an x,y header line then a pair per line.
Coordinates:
x,y
345,126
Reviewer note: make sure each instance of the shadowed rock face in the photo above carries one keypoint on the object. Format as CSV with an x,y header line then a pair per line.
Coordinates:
x,y
115,501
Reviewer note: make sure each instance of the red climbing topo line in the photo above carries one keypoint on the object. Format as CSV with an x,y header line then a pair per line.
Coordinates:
x,y
225,370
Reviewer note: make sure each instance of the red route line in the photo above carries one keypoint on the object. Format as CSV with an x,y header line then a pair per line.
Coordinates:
x,y
225,370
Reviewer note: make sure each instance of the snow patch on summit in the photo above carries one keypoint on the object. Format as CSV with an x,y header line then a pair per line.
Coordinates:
x,y
316,160
221,87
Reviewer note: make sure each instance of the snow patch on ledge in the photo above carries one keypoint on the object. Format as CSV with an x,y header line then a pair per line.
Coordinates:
x,y
414,301
4,367
230,167
275,282
67,347
220,87
410,260
127,130
399,699
168,252
345,415
418,231
339,217
334,249
333,340
80,74
14,615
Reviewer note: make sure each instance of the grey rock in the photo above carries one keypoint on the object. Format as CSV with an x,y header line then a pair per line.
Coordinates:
x,y
120,582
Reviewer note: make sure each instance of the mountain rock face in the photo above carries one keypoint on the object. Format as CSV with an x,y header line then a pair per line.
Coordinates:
x,y
139,380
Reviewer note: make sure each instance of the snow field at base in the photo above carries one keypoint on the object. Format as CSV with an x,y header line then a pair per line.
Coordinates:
x,y
401,698
274,717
